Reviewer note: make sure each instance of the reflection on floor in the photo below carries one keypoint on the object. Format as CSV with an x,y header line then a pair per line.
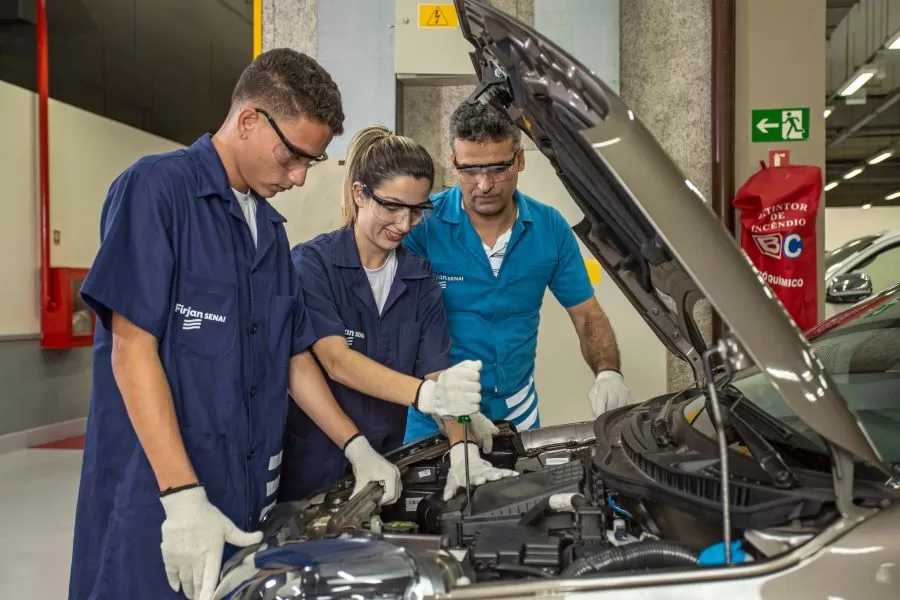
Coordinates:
x,y
37,508
75,443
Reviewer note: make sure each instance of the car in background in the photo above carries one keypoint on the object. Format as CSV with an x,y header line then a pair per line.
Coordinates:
x,y
859,268
773,475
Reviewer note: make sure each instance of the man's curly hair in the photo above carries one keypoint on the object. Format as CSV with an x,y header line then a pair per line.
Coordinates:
x,y
289,84
481,123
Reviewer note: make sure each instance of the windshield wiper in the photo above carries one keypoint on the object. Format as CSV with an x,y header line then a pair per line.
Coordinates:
x,y
762,450
659,427
765,454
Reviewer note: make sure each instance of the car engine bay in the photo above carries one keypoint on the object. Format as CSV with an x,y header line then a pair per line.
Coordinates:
x,y
580,505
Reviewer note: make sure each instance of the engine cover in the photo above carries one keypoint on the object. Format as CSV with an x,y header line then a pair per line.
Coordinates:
x,y
511,524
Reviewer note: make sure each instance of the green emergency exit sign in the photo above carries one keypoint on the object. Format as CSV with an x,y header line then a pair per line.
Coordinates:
x,y
780,124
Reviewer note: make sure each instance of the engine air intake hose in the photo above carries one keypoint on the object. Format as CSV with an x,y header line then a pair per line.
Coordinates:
x,y
639,555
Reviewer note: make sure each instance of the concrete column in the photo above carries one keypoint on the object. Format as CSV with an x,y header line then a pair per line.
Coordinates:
x,y
290,24
666,73
780,62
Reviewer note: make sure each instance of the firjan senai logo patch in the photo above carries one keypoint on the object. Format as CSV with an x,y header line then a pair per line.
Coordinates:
x,y
443,280
350,335
193,319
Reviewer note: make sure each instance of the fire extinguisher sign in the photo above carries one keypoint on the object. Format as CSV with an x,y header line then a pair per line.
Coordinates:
x,y
778,233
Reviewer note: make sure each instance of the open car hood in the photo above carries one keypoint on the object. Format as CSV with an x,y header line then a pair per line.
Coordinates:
x,y
644,221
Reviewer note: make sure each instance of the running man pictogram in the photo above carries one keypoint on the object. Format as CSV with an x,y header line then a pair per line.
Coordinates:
x,y
792,125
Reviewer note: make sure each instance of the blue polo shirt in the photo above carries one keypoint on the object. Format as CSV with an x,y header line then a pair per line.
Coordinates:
x,y
495,318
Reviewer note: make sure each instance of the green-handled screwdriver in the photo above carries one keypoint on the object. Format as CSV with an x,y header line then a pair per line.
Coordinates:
x,y
465,420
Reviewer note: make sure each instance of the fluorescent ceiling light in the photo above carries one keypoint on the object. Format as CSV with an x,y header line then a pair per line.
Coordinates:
x,y
832,185
866,206
893,196
606,143
828,111
894,42
881,157
855,83
854,173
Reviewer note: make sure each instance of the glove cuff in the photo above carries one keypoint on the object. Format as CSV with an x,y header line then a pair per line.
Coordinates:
x,y
462,446
175,490
425,389
357,447
350,441
184,502
616,371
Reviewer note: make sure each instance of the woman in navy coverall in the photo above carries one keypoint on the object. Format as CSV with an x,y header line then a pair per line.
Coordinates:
x,y
379,321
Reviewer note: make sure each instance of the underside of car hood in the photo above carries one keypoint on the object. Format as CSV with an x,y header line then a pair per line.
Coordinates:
x,y
649,227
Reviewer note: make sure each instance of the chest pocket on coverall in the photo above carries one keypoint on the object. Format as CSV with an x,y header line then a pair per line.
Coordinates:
x,y
205,315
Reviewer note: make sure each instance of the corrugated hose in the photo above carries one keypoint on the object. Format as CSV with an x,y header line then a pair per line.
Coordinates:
x,y
639,555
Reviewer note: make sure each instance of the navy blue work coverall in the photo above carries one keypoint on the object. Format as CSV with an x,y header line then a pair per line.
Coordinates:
x,y
177,259
410,336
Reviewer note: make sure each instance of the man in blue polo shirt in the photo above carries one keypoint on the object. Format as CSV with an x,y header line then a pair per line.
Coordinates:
x,y
494,251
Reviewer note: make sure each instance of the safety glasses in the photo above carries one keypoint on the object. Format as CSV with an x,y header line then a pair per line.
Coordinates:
x,y
391,211
288,155
499,171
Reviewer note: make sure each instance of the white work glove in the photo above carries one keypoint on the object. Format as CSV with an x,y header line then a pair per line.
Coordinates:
x,y
480,470
194,533
456,392
608,392
481,430
369,466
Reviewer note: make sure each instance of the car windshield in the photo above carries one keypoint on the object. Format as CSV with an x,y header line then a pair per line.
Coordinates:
x,y
839,254
862,355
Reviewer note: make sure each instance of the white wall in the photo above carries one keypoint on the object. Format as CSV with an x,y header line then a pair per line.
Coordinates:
x,y
845,224
86,153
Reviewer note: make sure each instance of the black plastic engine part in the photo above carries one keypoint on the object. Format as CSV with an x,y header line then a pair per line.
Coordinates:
x,y
514,497
683,476
505,452
522,570
514,545
639,555
507,500
428,478
419,482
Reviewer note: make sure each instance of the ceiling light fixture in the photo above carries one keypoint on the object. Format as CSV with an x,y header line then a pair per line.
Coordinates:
x,y
832,185
828,111
893,196
854,173
894,42
881,157
866,206
859,79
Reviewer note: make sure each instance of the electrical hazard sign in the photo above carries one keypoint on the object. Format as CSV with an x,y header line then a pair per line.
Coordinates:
x,y
438,15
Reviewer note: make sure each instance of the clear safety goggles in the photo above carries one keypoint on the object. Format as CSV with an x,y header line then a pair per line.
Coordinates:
x,y
288,155
391,211
500,171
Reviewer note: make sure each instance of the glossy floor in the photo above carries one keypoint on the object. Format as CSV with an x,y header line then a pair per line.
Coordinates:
x,y
38,488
